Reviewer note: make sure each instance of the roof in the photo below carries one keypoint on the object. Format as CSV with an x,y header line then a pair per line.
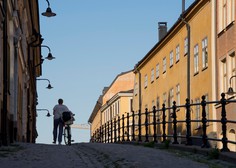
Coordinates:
x,y
96,108
182,15
122,73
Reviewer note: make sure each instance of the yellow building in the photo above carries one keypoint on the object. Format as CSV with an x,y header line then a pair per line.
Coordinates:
x,y
181,65
95,121
116,101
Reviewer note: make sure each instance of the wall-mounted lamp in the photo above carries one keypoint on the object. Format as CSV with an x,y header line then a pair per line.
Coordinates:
x,y
49,85
230,90
48,12
48,114
49,57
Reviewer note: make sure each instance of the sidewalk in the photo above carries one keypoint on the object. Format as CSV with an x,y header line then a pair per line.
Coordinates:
x,y
93,155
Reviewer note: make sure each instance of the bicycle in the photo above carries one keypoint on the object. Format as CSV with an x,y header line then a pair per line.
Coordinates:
x,y
68,119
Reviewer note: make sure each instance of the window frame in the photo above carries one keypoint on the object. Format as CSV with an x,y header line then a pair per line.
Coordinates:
x,y
177,53
196,58
205,53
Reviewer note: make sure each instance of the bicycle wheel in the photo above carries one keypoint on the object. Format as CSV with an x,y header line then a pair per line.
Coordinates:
x,y
69,135
66,135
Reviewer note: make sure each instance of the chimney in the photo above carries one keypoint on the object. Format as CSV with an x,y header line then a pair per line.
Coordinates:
x,y
162,28
183,6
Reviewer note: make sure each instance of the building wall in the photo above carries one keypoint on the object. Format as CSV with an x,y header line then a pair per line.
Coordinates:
x,y
226,62
18,77
96,124
164,86
123,82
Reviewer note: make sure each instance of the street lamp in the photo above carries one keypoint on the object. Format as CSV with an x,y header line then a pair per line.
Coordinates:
x,y
49,57
230,90
48,12
49,85
48,114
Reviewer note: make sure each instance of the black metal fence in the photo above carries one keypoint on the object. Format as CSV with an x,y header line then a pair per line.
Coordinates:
x,y
162,124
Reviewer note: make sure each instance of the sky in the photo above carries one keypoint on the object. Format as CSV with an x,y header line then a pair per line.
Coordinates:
x,y
93,41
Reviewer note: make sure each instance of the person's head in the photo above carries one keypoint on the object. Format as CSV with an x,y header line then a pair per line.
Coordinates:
x,y
60,101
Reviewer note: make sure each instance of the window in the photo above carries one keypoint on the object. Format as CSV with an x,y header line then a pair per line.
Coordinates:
x,y
226,13
145,81
185,45
157,71
164,98
207,107
153,104
224,74
196,59
177,53
171,58
177,94
135,88
204,53
152,75
131,105
158,103
157,108
224,17
171,96
197,113
164,64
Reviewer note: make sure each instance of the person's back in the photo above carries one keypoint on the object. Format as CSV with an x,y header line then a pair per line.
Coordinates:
x,y
57,112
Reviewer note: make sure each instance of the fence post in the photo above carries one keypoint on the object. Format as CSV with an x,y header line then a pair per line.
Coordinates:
x,y
224,122
115,130
118,128
108,131
128,127
105,128
164,122
154,125
123,127
111,131
139,126
174,123
188,123
133,127
146,125
204,121
101,134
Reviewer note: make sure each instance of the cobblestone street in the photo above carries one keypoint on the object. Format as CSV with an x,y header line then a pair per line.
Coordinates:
x,y
93,155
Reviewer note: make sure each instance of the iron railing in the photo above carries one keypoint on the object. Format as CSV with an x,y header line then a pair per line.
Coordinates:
x,y
162,124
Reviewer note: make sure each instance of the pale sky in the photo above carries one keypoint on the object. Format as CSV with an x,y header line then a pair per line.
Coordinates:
x,y
94,41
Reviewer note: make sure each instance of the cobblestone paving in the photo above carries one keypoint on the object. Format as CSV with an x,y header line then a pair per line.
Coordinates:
x,y
91,155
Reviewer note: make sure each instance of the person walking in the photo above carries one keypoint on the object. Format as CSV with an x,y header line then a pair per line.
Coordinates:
x,y
57,121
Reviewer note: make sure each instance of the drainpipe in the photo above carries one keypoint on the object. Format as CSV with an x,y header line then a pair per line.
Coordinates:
x,y
4,136
139,90
188,54
189,141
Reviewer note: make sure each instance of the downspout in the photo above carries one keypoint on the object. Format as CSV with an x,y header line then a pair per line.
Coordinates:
x,y
4,136
136,71
188,57
189,130
188,54
139,90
